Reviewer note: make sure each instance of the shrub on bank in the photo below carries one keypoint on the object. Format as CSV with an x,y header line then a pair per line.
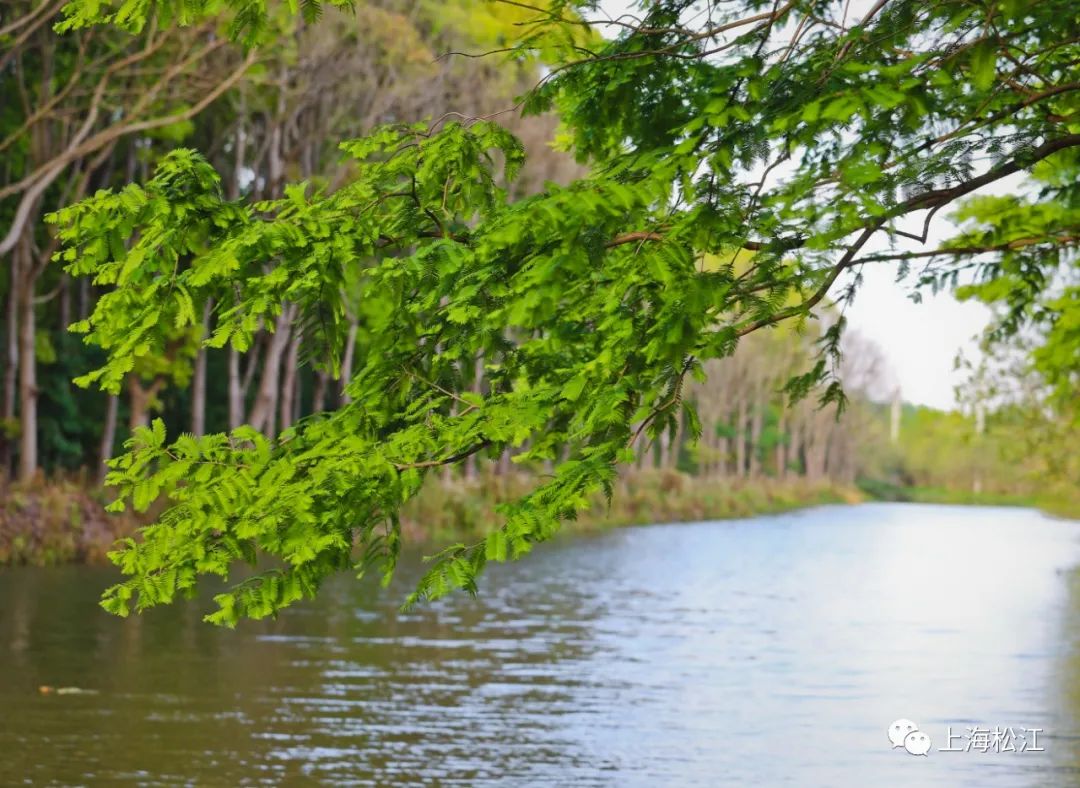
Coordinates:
x,y
56,522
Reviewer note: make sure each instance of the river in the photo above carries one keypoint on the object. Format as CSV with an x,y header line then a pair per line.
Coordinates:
x,y
768,651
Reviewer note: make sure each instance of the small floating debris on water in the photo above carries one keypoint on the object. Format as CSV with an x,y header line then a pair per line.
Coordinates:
x,y
45,689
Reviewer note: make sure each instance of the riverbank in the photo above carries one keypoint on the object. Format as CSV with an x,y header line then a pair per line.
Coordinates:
x,y
61,521
58,522
466,510
1060,503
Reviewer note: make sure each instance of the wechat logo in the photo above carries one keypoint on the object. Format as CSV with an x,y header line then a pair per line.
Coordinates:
x,y
906,734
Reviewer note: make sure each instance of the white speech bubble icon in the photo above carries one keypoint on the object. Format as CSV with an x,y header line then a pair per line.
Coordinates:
x,y
917,743
899,730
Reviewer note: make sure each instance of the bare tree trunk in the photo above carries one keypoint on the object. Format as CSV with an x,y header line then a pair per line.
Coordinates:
x,y
706,466
665,450
781,446
108,437
288,386
84,297
670,447
504,465
723,450
236,393
803,449
757,421
137,410
64,307
641,446
740,439
11,367
262,415
140,398
240,382
839,462
276,164
28,390
298,397
239,148
814,448
347,362
318,392
198,379
704,451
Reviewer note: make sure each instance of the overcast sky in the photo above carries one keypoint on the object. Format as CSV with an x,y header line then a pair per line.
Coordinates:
x,y
919,341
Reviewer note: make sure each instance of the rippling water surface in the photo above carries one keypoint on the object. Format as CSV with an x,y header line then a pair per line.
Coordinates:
x,y
757,652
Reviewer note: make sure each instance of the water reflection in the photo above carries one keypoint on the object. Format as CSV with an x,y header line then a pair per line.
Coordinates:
x,y
1063,686
750,652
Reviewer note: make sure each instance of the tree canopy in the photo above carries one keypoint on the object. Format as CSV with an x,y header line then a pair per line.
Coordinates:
x,y
793,142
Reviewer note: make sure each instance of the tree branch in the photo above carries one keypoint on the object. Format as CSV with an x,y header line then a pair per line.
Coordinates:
x,y
446,460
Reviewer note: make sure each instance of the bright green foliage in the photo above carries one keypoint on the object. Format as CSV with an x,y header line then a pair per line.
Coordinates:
x,y
1034,277
764,129
174,216
1033,284
249,20
545,338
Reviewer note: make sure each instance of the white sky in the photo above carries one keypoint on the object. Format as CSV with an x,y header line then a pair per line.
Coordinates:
x,y
920,341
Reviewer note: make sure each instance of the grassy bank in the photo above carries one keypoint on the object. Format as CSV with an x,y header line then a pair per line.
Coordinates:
x,y
63,522
56,522
1062,503
467,510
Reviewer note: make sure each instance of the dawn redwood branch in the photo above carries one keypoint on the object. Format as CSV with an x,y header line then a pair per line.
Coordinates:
x,y
959,251
769,16
652,31
801,309
446,460
764,21
880,4
672,400
932,199
633,237
1004,113
938,197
